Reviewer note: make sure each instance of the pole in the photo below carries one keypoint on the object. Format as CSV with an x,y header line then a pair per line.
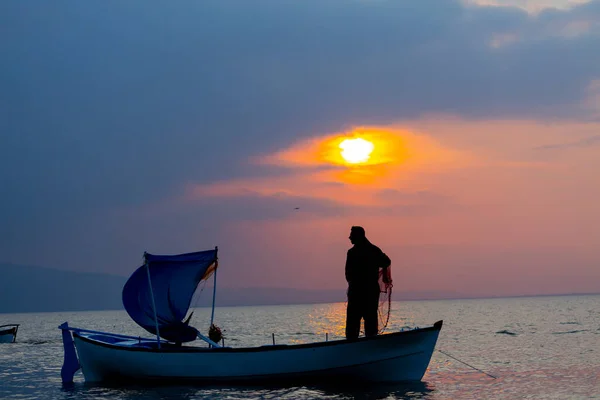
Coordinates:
x,y
153,303
212,314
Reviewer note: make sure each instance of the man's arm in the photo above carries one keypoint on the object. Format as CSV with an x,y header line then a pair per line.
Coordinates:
x,y
385,264
385,260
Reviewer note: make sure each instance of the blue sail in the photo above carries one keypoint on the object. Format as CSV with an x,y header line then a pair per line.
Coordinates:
x,y
174,281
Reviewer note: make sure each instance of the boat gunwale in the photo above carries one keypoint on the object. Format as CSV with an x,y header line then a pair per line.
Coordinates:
x,y
191,349
10,331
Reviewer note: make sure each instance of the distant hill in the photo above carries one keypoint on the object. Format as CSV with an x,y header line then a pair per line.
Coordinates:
x,y
37,289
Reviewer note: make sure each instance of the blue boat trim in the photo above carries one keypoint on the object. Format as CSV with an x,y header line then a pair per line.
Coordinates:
x,y
70,362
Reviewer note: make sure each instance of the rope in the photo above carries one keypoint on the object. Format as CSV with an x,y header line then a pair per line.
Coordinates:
x,y
389,310
468,365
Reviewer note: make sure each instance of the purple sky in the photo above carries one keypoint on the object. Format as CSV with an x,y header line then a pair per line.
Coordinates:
x,y
173,127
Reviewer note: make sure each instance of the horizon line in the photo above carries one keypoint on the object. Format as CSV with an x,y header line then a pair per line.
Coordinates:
x,y
329,302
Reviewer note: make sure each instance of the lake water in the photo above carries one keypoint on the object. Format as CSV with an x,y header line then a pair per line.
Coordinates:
x,y
538,348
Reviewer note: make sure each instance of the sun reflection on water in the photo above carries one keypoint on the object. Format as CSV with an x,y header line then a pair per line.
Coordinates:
x,y
330,320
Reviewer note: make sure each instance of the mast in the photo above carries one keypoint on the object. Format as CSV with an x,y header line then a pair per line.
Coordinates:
x,y
153,302
212,314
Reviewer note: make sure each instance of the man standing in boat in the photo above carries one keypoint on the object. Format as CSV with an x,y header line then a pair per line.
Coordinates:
x,y
363,263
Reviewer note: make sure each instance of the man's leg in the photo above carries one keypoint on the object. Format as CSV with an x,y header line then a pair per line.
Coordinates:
x,y
371,314
353,316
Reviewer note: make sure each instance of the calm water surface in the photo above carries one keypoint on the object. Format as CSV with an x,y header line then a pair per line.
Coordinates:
x,y
538,348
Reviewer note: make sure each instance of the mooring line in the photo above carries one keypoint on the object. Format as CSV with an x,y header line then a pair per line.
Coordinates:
x,y
468,365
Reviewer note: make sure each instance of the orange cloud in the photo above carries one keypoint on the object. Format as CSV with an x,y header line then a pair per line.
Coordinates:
x,y
397,152
393,146
316,168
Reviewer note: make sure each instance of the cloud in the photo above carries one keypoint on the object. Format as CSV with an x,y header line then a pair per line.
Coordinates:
x,y
586,142
315,169
393,146
531,6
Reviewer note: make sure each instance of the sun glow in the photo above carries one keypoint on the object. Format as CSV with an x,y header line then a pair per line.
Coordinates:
x,y
365,156
356,150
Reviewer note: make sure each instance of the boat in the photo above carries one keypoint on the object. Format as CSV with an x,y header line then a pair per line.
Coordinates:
x,y
8,333
157,297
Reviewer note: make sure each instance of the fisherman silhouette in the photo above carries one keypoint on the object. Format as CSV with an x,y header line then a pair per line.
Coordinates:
x,y
363,262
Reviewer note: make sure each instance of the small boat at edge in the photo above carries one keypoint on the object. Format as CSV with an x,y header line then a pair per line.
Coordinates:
x,y
8,333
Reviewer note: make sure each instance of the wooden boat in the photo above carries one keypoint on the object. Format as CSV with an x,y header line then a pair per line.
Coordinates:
x,y
8,333
157,296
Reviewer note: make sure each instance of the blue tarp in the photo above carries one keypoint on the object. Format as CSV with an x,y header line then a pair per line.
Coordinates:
x,y
174,281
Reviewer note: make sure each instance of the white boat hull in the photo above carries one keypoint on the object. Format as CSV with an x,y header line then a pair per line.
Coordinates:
x,y
395,357
8,333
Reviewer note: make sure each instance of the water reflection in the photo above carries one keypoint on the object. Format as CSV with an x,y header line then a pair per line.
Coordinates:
x,y
416,390
336,390
329,320
130,391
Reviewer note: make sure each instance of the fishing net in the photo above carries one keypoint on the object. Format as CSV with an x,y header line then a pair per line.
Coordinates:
x,y
385,298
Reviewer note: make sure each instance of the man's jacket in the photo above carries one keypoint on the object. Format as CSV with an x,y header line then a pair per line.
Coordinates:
x,y
362,265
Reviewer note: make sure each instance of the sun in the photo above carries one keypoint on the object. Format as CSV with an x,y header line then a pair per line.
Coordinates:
x,y
356,150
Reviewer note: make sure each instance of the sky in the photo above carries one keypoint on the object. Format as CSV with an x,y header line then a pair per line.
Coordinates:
x,y
172,127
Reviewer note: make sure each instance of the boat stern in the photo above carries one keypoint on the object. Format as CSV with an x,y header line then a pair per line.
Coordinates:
x,y
71,362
